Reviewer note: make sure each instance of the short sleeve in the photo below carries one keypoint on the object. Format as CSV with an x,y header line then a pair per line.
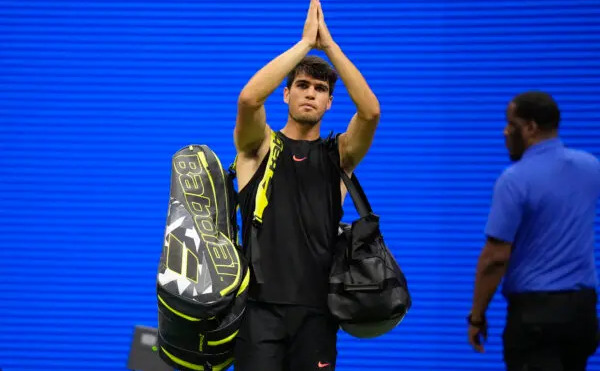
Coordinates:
x,y
506,210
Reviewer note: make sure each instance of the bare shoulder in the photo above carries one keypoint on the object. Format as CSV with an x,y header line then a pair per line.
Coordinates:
x,y
248,162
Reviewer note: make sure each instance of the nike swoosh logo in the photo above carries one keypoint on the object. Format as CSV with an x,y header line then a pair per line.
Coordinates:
x,y
298,159
321,365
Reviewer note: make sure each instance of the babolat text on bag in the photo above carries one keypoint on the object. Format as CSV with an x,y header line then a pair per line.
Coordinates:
x,y
203,276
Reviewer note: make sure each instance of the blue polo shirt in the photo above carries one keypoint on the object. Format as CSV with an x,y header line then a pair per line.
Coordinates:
x,y
545,205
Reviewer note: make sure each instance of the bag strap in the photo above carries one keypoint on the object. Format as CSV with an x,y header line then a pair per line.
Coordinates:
x,y
359,198
263,193
264,188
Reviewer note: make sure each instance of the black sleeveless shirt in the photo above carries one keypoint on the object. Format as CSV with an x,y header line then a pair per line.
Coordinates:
x,y
300,224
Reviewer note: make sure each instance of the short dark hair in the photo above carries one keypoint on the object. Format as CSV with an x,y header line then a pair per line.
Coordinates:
x,y
539,107
315,67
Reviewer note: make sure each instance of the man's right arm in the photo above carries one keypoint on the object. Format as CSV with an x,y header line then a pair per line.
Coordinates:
x,y
250,127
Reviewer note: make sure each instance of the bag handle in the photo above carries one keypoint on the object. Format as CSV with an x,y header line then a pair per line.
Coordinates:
x,y
359,198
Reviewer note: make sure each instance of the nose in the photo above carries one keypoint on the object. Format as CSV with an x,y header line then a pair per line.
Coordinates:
x,y
506,131
310,92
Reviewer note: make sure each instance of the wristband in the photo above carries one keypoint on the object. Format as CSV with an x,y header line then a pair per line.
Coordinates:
x,y
478,324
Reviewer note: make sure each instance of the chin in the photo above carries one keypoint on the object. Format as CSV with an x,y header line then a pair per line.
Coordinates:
x,y
310,120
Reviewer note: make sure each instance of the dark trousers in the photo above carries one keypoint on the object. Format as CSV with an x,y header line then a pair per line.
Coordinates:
x,y
550,331
275,337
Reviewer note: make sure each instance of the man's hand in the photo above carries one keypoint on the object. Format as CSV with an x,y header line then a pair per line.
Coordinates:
x,y
478,334
324,39
311,25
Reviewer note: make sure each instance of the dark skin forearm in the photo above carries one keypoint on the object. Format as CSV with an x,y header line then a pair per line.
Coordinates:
x,y
487,279
491,267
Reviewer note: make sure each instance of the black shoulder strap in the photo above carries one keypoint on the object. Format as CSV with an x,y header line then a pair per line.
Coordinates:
x,y
359,198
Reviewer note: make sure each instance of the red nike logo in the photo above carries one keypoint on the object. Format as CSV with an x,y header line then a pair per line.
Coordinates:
x,y
298,159
321,364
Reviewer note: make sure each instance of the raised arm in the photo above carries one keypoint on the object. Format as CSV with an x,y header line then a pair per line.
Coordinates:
x,y
250,127
357,139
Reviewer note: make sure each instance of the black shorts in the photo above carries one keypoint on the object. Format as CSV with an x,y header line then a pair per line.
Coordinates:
x,y
285,338
550,331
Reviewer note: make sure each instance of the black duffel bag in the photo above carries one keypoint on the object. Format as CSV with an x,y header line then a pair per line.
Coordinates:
x,y
368,293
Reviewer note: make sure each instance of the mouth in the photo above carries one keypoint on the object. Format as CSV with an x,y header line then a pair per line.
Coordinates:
x,y
306,105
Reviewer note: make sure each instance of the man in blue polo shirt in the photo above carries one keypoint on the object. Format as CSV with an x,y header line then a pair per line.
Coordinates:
x,y
540,238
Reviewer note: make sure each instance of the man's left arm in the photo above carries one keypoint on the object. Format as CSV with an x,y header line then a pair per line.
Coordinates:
x,y
503,222
357,139
491,267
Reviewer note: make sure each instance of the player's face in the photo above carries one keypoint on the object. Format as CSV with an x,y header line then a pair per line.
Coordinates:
x,y
308,99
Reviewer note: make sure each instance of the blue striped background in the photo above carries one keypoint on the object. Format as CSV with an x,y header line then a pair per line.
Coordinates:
x,y
96,96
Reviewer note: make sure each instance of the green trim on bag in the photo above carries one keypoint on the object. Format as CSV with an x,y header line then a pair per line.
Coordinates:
x,y
177,312
223,341
193,366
